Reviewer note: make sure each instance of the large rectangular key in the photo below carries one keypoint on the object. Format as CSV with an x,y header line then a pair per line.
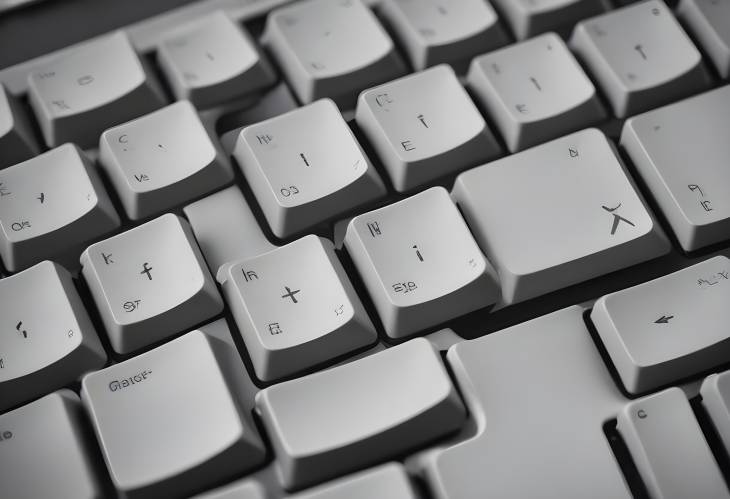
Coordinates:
x,y
668,448
557,214
43,452
169,421
336,421
47,339
663,143
652,332
78,96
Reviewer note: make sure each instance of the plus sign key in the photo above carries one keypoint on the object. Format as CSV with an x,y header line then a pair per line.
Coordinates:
x,y
149,283
295,307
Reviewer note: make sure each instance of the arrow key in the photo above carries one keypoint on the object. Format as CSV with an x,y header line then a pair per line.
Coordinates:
x,y
665,330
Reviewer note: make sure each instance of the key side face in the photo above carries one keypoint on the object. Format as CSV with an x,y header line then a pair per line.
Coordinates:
x,y
146,271
44,194
302,163
33,340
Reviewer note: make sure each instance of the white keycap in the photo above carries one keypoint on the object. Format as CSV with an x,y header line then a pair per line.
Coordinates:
x,y
640,57
388,481
17,142
304,174
246,489
167,421
212,60
295,307
335,421
557,214
161,160
52,206
43,452
709,23
331,48
528,18
419,262
662,143
538,394
424,126
77,97
715,393
668,448
226,228
652,331
443,31
149,283
535,91
48,340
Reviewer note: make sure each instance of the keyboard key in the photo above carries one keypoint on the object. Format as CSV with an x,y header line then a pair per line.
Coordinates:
x,y
52,206
225,238
354,415
652,331
388,481
17,142
150,283
424,126
77,97
715,393
331,48
48,340
662,143
535,91
558,214
167,421
295,308
669,449
528,18
246,489
419,262
161,160
212,60
640,57
709,23
302,174
43,452
449,31
539,394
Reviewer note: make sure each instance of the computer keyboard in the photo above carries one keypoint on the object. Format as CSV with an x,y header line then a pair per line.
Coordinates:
x,y
370,249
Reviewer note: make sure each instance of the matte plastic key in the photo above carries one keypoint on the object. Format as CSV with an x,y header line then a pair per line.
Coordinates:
x,y
709,23
528,18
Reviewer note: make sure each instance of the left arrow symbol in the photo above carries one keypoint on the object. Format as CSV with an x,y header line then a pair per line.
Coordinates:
x,y
664,319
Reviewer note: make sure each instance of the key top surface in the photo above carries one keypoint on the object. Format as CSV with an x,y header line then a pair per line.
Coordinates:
x,y
435,32
213,60
77,97
419,262
319,45
681,152
335,421
48,339
669,449
709,23
168,422
652,332
640,56
388,481
557,214
51,206
295,307
424,126
43,452
16,138
162,159
528,18
535,91
303,174
547,367
149,283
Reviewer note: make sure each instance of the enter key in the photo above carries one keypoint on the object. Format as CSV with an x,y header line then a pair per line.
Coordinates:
x,y
667,329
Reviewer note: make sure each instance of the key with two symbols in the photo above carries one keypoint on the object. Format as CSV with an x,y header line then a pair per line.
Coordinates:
x,y
150,282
